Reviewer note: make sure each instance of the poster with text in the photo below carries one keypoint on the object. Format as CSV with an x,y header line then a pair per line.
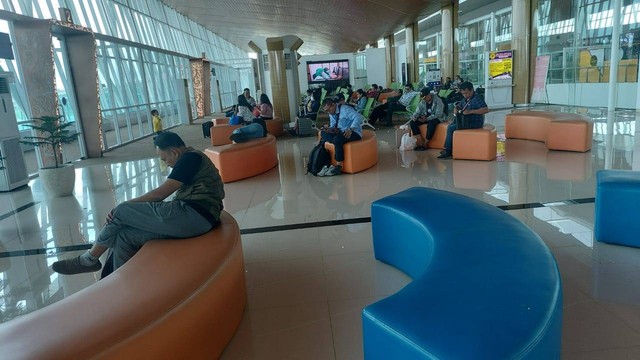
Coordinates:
x,y
539,93
500,65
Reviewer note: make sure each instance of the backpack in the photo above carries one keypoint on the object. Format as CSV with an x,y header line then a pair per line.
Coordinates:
x,y
318,158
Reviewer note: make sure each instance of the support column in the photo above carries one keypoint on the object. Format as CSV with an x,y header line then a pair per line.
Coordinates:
x,y
615,56
448,65
390,52
411,33
524,54
278,77
201,75
259,66
35,54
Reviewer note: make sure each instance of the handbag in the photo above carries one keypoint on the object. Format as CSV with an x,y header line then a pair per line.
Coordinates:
x,y
462,122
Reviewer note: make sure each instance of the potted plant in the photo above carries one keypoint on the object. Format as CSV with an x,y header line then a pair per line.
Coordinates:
x,y
51,132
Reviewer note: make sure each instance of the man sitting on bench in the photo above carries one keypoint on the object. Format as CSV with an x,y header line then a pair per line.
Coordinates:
x,y
345,125
194,210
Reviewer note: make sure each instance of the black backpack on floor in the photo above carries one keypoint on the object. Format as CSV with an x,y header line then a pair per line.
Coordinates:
x,y
318,158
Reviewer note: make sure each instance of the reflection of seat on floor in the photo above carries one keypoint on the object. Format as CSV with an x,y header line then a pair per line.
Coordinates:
x,y
560,165
253,191
474,175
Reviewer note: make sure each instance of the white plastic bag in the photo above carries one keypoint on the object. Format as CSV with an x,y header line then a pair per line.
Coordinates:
x,y
407,143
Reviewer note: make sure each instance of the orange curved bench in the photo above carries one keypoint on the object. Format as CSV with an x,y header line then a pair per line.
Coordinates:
x,y
221,130
560,131
244,160
174,299
475,144
358,155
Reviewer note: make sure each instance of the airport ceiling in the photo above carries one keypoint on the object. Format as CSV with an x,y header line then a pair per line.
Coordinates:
x,y
325,26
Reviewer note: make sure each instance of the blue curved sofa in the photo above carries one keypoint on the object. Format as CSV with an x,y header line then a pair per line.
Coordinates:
x,y
484,285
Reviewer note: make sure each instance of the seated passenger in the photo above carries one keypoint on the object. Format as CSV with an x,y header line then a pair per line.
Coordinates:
x,y
265,108
345,125
373,92
244,109
247,95
430,111
473,109
393,104
193,211
361,101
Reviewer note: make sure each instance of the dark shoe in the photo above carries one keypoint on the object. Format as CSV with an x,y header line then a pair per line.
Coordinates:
x,y
420,148
443,152
445,155
73,266
334,170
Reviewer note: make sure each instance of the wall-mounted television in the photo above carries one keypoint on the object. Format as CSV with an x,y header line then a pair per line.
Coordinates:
x,y
328,72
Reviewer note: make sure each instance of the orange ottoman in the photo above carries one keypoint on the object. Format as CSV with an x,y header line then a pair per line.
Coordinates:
x,y
220,134
570,135
437,141
475,144
358,155
244,160
529,125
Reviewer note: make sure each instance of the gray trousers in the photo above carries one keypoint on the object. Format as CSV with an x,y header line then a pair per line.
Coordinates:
x,y
135,223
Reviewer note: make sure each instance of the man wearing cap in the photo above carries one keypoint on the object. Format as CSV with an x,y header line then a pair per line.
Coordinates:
x,y
430,111
193,211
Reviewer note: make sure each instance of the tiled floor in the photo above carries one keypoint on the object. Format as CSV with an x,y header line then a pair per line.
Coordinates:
x,y
307,286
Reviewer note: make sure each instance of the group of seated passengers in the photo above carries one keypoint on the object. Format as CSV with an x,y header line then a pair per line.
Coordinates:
x,y
252,117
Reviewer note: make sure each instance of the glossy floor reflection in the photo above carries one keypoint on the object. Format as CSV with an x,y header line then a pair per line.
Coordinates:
x,y
308,283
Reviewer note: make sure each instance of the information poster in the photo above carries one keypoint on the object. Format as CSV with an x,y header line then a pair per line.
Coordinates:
x,y
540,79
433,77
500,65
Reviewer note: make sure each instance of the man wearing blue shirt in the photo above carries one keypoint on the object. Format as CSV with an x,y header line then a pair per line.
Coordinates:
x,y
345,125
473,109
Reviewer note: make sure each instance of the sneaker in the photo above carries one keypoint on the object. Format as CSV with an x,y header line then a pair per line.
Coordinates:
x,y
445,155
73,266
323,171
420,148
443,152
334,170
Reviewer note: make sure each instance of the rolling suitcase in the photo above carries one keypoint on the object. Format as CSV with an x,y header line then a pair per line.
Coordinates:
x,y
305,127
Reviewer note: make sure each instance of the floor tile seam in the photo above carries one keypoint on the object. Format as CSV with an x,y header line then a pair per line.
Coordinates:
x,y
327,271
270,283
280,261
18,209
619,318
250,309
288,280
310,225
574,352
289,328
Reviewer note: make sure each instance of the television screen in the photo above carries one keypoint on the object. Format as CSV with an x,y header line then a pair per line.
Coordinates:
x,y
336,71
